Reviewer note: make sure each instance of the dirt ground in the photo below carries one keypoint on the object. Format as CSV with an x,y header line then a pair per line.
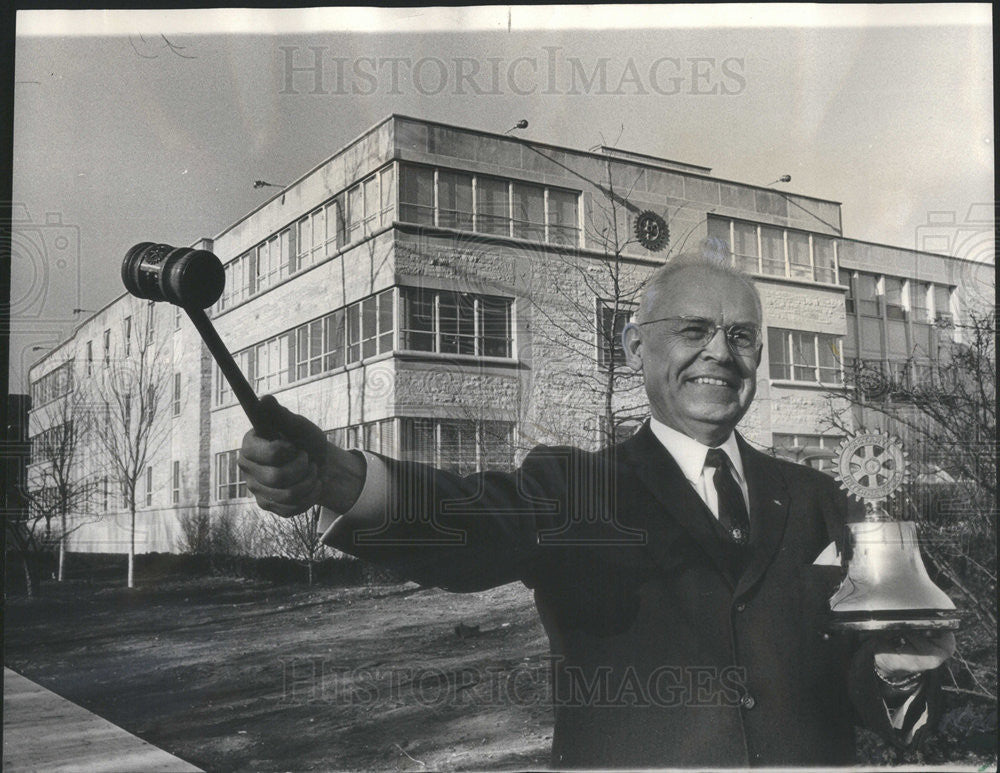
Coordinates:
x,y
237,675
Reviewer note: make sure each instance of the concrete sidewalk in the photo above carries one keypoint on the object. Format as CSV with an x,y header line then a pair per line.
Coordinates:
x,y
44,732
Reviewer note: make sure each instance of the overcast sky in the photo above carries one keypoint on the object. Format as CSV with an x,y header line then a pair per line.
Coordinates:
x,y
136,126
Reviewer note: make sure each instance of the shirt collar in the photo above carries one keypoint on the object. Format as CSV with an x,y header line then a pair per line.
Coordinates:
x,y
690,454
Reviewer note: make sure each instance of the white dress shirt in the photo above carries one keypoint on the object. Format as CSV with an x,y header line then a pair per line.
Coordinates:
x,y
690,457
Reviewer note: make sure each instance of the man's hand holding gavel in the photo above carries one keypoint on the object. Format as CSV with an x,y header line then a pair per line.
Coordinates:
x,y
288,462
301,468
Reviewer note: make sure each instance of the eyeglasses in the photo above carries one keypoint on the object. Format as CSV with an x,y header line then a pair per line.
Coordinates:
x,y
742,337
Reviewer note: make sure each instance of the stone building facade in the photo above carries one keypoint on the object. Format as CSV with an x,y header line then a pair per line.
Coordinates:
x,y
452,296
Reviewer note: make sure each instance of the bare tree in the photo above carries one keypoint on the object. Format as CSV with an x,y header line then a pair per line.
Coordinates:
x,y
58,492
22,526
196,531
133,393
296,538
585,300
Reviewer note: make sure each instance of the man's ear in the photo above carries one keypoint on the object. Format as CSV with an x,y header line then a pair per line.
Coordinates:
x,y
631,341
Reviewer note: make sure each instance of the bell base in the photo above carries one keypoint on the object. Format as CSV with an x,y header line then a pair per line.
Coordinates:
x,y
899,620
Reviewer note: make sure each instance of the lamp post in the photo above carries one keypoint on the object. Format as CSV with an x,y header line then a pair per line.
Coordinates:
x,y
522,124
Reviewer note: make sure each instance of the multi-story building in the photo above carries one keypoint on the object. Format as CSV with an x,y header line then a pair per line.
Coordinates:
x,y
452,295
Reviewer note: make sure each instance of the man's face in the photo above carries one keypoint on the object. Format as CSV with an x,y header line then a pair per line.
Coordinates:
x,y
702,391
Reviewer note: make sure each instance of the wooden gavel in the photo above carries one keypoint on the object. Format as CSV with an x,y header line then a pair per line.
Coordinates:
x,y
194,280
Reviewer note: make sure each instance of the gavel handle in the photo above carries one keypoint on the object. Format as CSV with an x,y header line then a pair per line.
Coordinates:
x,y
262,421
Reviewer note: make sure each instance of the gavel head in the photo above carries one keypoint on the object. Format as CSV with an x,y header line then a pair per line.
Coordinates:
x,y
181,275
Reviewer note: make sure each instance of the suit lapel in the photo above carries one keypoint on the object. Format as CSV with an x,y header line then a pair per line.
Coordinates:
x,y
676,502
769,501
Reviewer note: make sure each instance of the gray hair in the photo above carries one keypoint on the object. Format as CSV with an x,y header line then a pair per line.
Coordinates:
x,y
711,257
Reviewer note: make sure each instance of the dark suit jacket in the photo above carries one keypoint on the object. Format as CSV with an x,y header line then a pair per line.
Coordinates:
x,y
661,656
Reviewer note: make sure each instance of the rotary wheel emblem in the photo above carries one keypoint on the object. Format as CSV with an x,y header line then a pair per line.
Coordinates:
x,y
651,231
871,465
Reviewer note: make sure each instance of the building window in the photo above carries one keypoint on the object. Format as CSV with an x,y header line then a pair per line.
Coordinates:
x,y
610,324
817,451
372,321
177,317
368,205
90,358
149,486
824,258
459,200
438,321
177,394
127,331
529,211
52,385
311,238
742,239
104,493
796,355
223,392
334,338
455,200
765,249
355,213
942,304
894,317
893,289
320,234
376,436
271,363
849,300
563,217
416,195
369,326
273,261
303,244
866,292
363,329
772,250
799,260
492,206
372,205
51,444
455,323
460,445
175,484
387,210
309,349
919,306
336,225
107,346
229,480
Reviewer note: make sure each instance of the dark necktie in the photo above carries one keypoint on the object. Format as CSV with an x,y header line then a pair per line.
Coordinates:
x,y
733,515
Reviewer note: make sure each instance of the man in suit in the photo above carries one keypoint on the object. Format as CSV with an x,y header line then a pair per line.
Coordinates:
x,y
674,573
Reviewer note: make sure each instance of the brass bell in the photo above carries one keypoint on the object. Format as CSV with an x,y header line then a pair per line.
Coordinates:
x,y
887,586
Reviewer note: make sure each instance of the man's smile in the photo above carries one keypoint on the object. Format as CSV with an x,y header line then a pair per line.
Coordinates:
x,y
715,381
